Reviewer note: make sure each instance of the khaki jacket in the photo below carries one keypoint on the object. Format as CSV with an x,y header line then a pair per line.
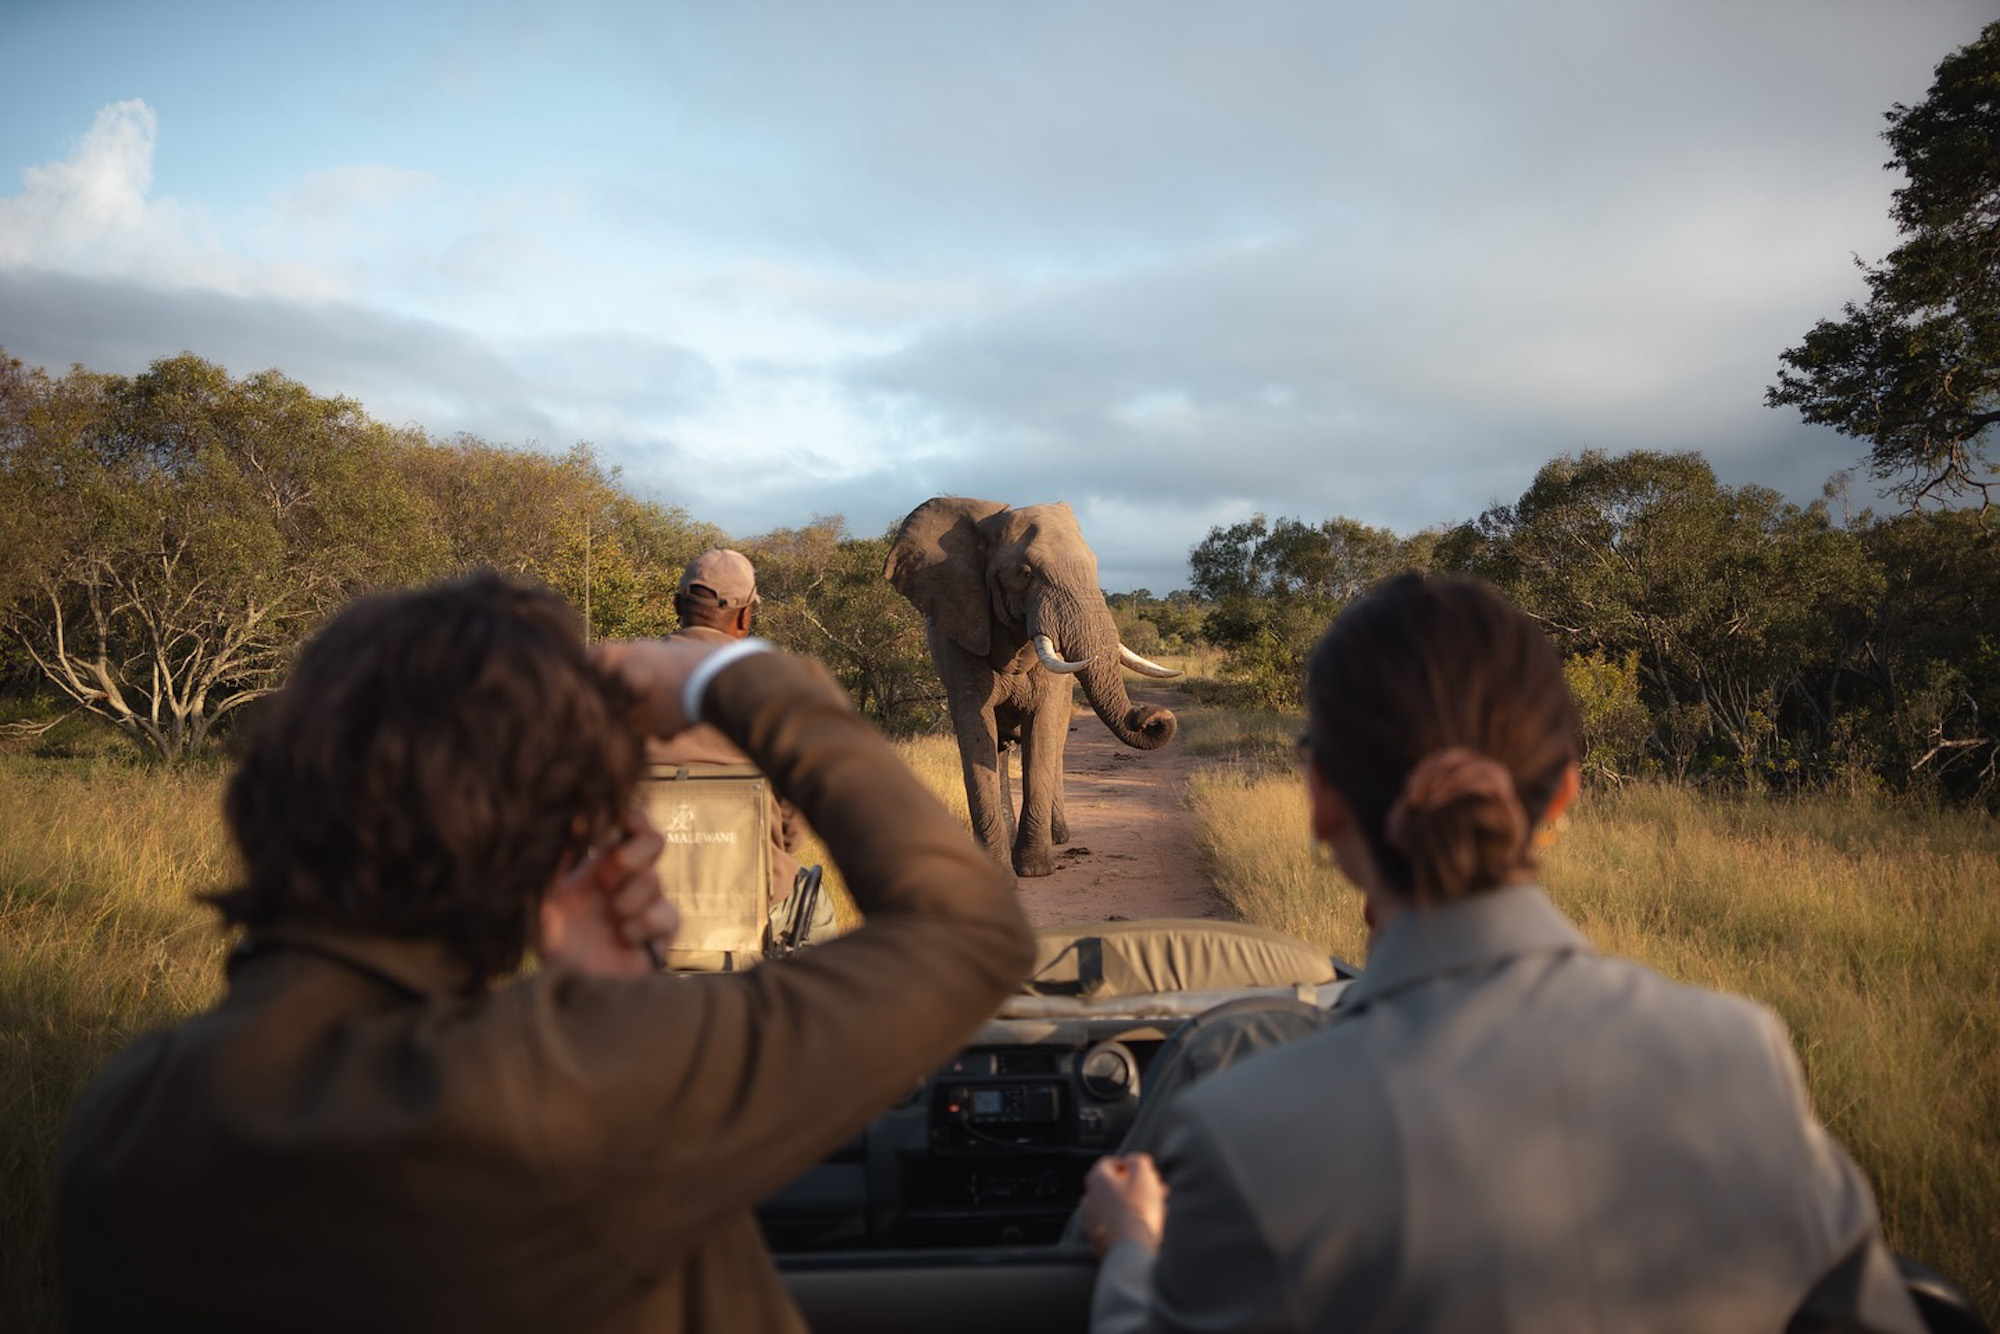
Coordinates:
x,y
353,1139
1502,1130
705,743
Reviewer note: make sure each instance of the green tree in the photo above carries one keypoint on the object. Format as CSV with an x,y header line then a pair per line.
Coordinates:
x,y
1922,668
1130,612
824,596
1180,616
1277,586
173,535
1331,562
560,519
1613,718
1730,597
1915,370
1230,563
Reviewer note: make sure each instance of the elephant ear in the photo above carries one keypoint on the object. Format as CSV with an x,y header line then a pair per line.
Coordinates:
x,y
938,562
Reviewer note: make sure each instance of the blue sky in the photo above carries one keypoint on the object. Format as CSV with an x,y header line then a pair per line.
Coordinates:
x,y
1175,262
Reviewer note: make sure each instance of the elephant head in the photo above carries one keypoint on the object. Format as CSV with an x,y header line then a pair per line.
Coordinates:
x,y
994,580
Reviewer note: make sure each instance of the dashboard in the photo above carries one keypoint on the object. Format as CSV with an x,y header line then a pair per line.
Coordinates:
x,y
989,1150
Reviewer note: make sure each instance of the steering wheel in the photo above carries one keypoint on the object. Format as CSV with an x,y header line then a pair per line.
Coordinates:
x,y
1212,1041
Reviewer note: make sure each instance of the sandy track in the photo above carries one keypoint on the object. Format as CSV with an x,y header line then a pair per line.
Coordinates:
x,y
1131,853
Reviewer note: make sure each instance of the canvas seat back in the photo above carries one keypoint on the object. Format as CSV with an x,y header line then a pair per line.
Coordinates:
x,y
1108,959
716,865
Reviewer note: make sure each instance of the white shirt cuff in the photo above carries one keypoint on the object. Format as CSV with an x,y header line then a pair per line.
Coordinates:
x,y
698,679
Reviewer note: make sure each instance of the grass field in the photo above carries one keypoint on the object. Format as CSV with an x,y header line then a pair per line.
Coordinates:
x,y
99,939
1873,930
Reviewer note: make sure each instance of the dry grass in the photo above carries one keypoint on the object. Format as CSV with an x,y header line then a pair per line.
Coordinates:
x,y
99,865
1256,738
1250,824
1873,931
1195,664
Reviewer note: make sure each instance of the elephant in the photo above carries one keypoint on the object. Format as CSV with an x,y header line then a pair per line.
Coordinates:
x,y
1014,616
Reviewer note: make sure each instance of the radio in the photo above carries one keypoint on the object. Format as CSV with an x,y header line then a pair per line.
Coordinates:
x,y
1003,1104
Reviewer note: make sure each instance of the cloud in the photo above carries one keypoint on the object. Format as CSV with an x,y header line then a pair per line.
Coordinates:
x,y
552,390
68,209
92,213
1406,383
1173,261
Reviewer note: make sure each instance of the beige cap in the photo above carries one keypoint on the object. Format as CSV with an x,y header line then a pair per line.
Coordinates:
x,y
720,578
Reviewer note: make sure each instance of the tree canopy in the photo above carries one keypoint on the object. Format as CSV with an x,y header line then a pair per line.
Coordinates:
x,y
1727,599
170,537
824,596
562,520
1709,632
1915,370
1276,586
173,534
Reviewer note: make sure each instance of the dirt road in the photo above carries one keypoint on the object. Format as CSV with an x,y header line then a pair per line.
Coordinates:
x,y
1130,853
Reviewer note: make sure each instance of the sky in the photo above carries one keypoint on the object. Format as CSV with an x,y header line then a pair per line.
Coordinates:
x,y
1176,262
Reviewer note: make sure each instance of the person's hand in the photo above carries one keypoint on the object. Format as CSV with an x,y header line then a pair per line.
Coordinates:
x,y
603,915
656,672
1124,1200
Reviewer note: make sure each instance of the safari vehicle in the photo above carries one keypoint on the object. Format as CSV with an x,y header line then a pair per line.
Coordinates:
x,y
955,1209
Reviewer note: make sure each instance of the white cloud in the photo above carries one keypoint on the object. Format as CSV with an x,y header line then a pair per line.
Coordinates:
x,y
96,195
93,214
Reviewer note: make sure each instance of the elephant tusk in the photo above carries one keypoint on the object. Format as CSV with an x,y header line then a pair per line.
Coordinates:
x,y
1144,666
1045,649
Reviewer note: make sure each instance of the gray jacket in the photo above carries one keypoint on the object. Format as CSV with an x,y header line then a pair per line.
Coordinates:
x,y
1503,1130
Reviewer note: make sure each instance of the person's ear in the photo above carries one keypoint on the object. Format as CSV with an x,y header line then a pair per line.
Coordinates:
x,y
1330,815
1566,790
743,618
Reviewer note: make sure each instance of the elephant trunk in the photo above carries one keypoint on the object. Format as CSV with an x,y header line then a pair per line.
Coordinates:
x,y
1084,633
1141,726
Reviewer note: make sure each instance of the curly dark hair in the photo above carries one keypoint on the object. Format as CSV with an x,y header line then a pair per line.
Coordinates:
x,y
1421,665
422,774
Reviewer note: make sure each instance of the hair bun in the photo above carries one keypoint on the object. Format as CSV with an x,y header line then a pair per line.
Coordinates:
x,y
1460,822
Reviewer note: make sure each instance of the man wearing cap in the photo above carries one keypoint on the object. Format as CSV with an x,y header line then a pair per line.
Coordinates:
x,y
715,604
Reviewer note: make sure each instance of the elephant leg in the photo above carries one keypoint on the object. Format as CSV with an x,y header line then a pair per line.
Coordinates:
x,y
987,802
1043,732
1007,790
1058,819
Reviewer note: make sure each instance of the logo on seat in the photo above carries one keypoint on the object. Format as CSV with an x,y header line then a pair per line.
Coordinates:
x,y
680,828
